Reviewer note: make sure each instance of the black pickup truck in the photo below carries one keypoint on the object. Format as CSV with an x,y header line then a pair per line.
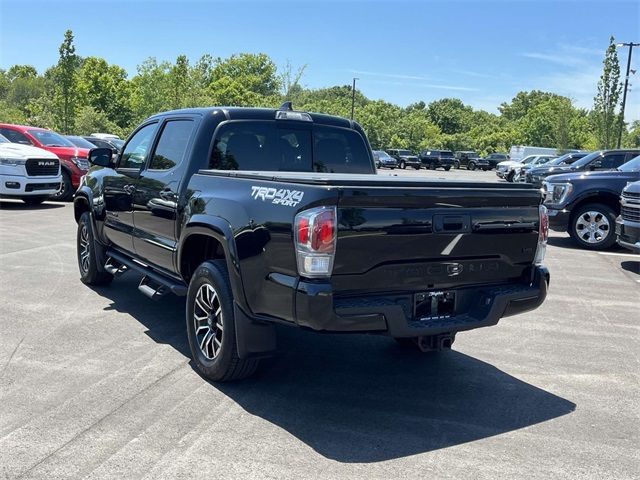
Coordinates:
x,y
262,217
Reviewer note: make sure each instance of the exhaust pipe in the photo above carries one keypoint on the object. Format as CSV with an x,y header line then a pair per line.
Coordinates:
x,y
436,343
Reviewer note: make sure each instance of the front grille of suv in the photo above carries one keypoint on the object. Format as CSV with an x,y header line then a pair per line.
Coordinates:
x,y
42,167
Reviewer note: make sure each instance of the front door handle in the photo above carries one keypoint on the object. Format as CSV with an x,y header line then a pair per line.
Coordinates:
x,y
130,189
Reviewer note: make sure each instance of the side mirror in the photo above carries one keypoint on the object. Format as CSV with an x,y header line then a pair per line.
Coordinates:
x,y
101,157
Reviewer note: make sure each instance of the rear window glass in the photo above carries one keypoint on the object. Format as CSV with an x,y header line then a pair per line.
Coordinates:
x,y
269,146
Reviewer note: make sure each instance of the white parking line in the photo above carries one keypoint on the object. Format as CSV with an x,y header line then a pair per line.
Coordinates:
x,y
614,254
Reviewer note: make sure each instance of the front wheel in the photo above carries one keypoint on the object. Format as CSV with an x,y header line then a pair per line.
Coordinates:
x,y
211,325
66,189
510,176
403,165
88,256
472,166
592,226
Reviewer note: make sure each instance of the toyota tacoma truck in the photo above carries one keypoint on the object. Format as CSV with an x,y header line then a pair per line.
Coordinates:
x,y
27,173
263,217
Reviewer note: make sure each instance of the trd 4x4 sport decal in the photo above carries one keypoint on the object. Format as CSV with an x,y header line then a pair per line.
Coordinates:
x,y
277,196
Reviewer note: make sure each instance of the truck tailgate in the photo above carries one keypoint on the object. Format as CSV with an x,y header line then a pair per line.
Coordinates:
x,y
399,238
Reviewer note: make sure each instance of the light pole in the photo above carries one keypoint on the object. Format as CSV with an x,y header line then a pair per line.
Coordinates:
x,y
626,85
353,96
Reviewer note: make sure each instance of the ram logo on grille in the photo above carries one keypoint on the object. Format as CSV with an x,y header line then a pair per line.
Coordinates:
x,y
46,164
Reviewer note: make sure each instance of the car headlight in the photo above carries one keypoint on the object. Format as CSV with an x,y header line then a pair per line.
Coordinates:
x,y
557,193
12,162
81,163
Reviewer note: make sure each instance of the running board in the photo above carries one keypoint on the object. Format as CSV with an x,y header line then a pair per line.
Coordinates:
x,y
150,276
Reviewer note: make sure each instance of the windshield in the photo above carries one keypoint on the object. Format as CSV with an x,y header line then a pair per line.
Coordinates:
x,y
117,142
382,154
51,139
529,159
80,142
405,152
586,160
4,139
632,165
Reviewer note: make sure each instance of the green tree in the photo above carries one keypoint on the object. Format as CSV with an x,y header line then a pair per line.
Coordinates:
x,y
90,120
257,72
104,88
451,115
606,100
65,76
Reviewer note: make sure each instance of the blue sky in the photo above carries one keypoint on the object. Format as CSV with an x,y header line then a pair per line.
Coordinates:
x,y
481,52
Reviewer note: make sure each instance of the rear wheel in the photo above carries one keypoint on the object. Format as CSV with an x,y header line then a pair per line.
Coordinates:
x,y
456,165
211,325
402,165
34,200
592,226
66,189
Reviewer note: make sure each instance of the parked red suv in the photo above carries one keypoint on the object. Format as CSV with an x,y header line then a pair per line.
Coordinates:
x,y
73,160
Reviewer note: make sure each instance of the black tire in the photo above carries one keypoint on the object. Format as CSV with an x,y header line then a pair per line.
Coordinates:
x,y
403,165
432,166
416,167
392,168
34,200
66,189
592,226
88,255
446,169
456,165
471,166
510,176
210,292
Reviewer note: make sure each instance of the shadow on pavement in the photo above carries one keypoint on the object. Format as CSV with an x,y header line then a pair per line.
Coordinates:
x,y
631,266
19,205
360,398
567,242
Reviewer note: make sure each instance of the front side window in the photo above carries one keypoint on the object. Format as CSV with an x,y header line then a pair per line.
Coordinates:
x,y
50,139
135,152
172,145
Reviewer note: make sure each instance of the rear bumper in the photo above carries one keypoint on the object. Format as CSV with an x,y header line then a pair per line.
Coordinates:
x,y
393,315
628,235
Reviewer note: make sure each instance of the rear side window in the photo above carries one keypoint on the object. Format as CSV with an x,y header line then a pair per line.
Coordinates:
x,y
268,146
613,160
172,145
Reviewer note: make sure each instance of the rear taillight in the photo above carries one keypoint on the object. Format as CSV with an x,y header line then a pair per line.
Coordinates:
x,y
315,240
543,235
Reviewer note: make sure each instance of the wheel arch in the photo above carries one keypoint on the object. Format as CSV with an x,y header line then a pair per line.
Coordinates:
x,y
210,239
608,198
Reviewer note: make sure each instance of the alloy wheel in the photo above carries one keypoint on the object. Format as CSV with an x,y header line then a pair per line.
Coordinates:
x,y
592,227
207,321
85,249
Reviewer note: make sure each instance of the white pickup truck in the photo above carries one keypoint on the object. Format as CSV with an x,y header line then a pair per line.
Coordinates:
x,y
28,173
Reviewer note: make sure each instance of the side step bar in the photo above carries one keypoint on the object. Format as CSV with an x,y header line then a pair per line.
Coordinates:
x,y
154,285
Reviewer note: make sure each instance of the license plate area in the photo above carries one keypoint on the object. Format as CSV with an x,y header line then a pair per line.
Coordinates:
x,y
434,305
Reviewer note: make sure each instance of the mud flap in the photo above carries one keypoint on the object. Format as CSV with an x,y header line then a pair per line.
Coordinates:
x,y
253,339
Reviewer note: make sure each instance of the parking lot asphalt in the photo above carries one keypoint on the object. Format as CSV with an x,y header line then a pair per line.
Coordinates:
x,y
97,383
